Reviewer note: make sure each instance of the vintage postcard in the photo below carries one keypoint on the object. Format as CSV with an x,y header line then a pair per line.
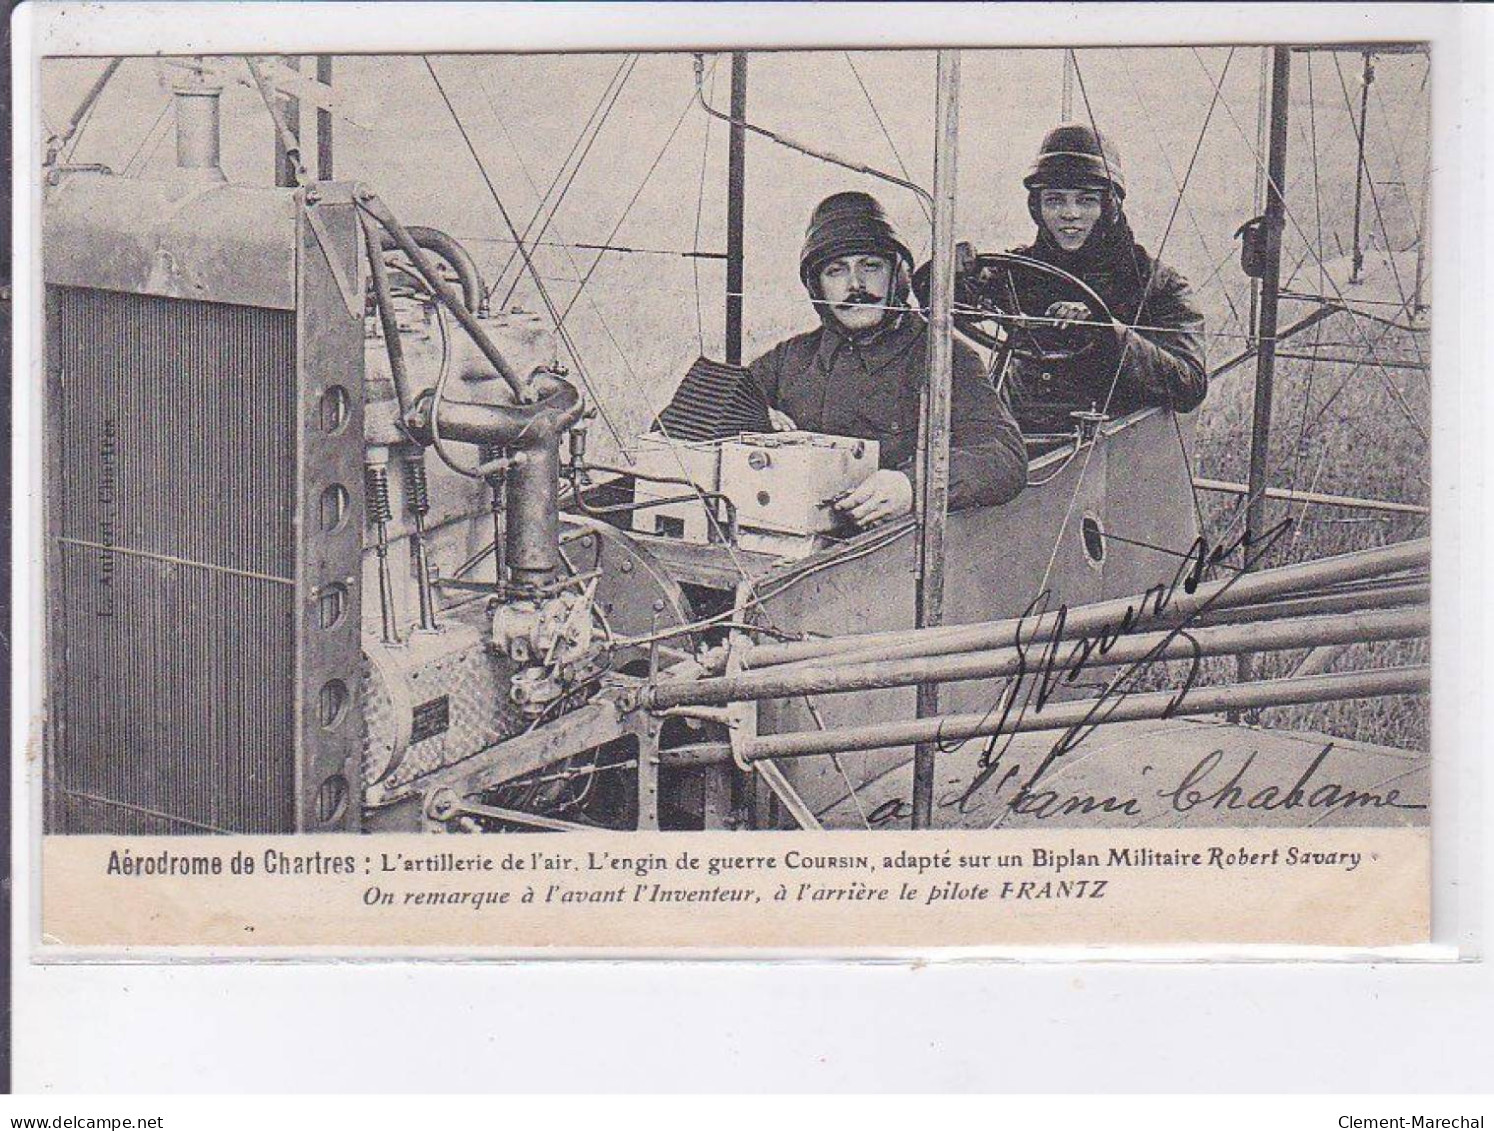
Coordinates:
x,y
801,500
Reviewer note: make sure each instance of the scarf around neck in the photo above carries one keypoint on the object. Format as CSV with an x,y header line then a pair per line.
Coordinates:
x,y
1111,262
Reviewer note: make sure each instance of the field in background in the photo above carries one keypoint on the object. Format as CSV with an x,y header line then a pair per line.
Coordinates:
x,y
1338,430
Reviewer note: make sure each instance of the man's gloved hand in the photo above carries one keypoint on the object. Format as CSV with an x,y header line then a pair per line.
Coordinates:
x,y
781,421
882,495
1069,312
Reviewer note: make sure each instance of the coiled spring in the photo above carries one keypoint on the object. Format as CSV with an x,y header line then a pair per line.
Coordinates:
x,y
376,487
417,486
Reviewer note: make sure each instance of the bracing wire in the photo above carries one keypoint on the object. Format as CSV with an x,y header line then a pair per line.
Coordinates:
x,y
1312,487
800,147
1041,319
887,134
524,251
1317,204
1322,411
625,71
1180,201
606,99
561,316
79,118
83,123
1326,150
578,245
567,248
1361,131
1391,389
1379,215
1150,120
705,153
152,140
612,235
1396,148
1217,274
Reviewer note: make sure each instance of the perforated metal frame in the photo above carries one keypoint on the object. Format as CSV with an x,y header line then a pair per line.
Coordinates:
x,y
329,340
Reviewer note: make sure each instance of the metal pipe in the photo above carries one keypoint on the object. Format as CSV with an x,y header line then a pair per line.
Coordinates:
x,y
1058,662
1380,47
515,817
736,196
1387,596
532,505
789,798
89,99
798,146
1423,235
497,480
474,291
198,145
289,172
1294,496
1329,359
1416,680
699,494
375,207
1066,94
1259,197
1319,660
388,319
933,480
531,433
696,755
519,427
324,122
1117,614
417,497
1325,310
1383,595
1265,361
376,490
286,141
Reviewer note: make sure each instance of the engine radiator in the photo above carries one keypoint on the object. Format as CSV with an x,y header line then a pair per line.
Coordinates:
x,y
204,509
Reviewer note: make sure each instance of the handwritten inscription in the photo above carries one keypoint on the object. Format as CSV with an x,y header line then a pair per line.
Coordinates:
x,y
1048,664
1307,792
1059,662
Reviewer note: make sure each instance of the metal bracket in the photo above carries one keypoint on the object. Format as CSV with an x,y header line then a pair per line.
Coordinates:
x,y
351,297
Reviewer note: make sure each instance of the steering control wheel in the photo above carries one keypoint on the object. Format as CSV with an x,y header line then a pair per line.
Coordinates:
x,y
988,307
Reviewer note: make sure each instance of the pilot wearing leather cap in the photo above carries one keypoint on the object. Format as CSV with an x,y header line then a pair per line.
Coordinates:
x,y
1076,192
860,372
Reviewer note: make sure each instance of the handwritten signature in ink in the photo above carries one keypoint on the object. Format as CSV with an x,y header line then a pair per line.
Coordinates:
x,y
1045,665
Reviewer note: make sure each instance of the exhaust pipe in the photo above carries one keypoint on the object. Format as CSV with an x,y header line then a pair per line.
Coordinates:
x,y
531,435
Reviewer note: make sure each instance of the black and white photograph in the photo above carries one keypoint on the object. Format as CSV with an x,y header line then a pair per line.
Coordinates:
x,y
739,440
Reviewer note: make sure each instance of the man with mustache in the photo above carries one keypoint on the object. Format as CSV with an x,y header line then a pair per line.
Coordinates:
x,y
1075,193
860,372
